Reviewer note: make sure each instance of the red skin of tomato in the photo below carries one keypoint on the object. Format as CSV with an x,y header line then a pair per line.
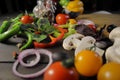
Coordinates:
x,y
62,18
58,72
26,19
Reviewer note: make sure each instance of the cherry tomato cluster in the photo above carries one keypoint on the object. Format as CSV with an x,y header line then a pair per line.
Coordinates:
x,y
86,63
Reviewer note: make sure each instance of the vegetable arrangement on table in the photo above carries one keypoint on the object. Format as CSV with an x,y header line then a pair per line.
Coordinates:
x,y
89,44
37,32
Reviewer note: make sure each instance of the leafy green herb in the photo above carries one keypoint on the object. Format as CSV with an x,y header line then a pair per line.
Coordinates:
x,y
44,26
38,37
29,27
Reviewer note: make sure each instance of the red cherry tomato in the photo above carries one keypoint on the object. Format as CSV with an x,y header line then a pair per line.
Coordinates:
x,y
58,72
62,18
26,19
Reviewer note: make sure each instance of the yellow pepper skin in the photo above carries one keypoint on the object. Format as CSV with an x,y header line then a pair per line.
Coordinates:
x,y
75,6
72,21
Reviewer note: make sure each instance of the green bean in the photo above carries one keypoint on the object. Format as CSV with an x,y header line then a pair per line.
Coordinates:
x,y
29,41
9,33
5,25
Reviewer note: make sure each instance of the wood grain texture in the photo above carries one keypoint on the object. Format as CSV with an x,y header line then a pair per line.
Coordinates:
x,y
101,19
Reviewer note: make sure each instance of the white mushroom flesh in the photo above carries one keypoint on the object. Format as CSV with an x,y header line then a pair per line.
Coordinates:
x,y
88,42
72,41
113,52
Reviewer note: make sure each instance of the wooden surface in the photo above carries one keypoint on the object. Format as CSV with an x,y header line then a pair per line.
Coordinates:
x,y
102,19
7,49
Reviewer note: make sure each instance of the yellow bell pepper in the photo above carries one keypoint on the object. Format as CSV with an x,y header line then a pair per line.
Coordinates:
x,y
75,6
72,21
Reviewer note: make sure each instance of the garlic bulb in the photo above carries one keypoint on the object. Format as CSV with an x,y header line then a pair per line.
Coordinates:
x,y
44,8
39,9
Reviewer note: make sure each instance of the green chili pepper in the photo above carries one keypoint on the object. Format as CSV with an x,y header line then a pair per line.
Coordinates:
x,y
29,41
5,25
9,33
16,19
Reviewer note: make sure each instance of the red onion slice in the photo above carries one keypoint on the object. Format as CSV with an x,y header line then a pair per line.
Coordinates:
x,y
86,22
32,75
26,53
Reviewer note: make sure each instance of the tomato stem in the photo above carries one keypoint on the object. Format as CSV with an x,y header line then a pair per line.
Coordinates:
x,y
68,62
92,48
26,13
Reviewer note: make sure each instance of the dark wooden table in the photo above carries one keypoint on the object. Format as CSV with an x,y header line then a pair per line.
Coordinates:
x,y
6,58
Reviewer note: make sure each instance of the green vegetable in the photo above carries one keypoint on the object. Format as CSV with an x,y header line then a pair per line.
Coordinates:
x,y
5,25
68,62
9,33
64,2
44,26
70,31
29,27
56,33
16,19
70,27
39,38
29,41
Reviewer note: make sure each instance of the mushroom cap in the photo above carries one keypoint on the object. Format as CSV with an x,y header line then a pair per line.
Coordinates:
x,y
86,42
72,41
112,54
115,33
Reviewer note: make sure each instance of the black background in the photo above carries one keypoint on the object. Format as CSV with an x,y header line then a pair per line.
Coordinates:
x,y
12,6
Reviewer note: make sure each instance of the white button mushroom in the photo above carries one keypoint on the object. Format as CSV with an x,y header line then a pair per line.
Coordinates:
x,y
113,52
72,41
79,42
88,42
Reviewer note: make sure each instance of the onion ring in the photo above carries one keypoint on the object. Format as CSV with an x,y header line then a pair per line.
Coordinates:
x,y
26,53
38,51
